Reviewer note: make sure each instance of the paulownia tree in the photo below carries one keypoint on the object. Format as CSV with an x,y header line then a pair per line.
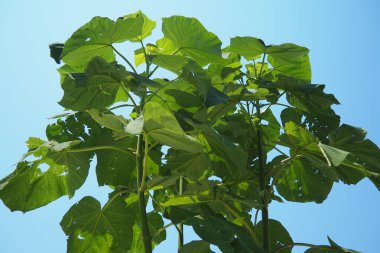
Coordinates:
x,y
227,132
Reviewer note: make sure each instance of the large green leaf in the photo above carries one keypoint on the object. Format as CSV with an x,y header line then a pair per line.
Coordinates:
x,y
55,173
115,220
291,60
162,126
97,36
301,181
188,37
279,236
249,47
302,177
96,88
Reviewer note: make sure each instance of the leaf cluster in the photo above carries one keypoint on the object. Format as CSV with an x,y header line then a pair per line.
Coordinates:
x,y
230,131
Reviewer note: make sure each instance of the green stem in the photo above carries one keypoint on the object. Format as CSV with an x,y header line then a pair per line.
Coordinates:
x,y
324,247
263,180
147,239
125,59
126,151
119,106
141,156
147,63
180,225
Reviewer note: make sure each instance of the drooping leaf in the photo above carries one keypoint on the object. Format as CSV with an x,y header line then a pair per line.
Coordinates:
x,y
113,220
229,237
229,160
162,126
188,37
35,184
108,120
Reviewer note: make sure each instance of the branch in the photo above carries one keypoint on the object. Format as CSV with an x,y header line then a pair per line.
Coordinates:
x,y
125,59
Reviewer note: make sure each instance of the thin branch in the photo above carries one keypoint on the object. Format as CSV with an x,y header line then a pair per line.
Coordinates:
x,y
119,106
125,59
126,151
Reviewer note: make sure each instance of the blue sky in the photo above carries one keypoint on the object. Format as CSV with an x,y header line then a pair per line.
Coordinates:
x,y
344,39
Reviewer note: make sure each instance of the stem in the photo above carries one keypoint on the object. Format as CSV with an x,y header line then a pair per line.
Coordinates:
x,y
147,63
263,181
125,59
180,225
141,156
119,106
304,245
126,151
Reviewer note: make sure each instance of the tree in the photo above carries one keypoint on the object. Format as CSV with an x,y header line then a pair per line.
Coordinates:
x,y
195,143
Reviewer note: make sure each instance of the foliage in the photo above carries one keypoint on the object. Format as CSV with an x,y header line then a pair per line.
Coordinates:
x,y
207,145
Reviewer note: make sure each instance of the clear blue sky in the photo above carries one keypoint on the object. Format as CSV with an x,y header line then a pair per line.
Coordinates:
x,y
344,39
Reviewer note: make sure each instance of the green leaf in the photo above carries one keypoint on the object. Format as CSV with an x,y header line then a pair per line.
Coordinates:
x,y
196,246
96,38
145,29
162,126
333,248
364,158
96,88
108,119
87,242
291,60
188,37
335,156
229,237
279,236
192,165
114,220
35,184
178,95
228,160
303,178
301,181
249,47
